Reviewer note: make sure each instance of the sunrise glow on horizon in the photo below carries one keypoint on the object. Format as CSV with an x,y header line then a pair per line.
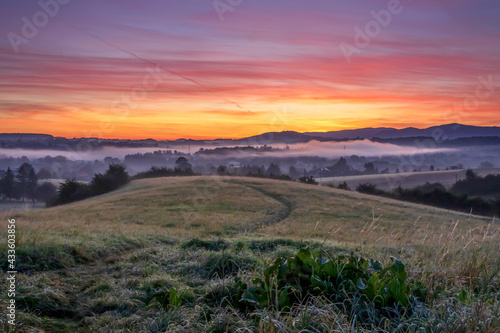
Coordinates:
x,y
169,70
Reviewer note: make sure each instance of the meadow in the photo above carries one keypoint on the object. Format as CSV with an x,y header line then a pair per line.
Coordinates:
x,y
95,265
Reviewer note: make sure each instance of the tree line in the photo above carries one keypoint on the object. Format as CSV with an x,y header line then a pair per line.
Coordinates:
x,y
182,168
22,184
72,190
476,185
437,195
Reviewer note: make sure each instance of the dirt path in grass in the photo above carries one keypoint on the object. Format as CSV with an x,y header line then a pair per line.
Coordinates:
x,y
281,214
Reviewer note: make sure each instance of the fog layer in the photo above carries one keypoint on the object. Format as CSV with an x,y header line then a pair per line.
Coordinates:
x,y
312,148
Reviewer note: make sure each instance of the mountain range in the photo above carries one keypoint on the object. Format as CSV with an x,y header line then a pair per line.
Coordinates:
x,y
449,131
440,133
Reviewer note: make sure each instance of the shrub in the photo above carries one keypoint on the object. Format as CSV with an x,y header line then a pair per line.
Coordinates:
x,y
308,180
343,186
368,189
71,191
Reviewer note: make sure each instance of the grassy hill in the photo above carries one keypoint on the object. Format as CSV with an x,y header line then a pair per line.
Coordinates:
x,y
91,266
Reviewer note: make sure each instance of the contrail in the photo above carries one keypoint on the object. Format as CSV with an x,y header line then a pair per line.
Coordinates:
x,y
154,64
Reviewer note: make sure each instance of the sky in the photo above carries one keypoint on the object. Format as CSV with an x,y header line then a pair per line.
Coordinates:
x,y
205,69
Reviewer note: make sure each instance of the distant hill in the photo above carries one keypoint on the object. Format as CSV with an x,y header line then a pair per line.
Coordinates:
x,y
446,132
450,131
24,136
284,137
366,133
450,143
440,133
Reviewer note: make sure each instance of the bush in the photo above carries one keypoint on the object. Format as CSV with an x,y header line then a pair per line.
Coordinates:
x,y
343,186
71,191
308,180
368,189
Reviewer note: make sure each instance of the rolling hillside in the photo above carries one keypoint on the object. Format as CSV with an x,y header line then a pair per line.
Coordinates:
x,y
90,266
217,206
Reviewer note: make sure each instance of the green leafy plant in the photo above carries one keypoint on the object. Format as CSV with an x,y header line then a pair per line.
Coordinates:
x,y
343,278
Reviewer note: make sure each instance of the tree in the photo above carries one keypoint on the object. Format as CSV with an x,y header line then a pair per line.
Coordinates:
x,y
341,168
67,190
44,174
31,185
370,168
293,172
7,184
221,170
486,165
470,175
71,191
45,192
113,178
22,175
117,171
182,164
274,170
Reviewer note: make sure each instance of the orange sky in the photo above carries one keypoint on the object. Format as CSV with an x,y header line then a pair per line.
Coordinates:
x,y
166,71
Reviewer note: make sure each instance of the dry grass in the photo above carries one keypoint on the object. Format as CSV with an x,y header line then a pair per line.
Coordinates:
x,y
213,206
99,259
333,215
